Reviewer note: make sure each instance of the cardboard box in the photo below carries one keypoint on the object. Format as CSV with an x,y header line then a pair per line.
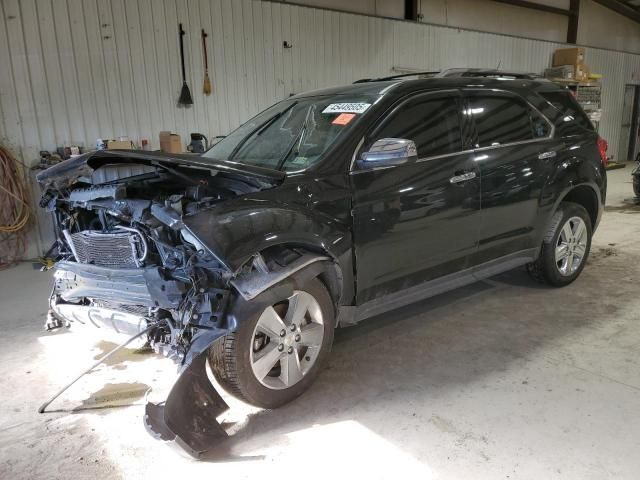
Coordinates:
x,y
119,145
170,142
568,56
581,72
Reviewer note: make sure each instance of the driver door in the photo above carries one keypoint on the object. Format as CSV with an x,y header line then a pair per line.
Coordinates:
x,y
419,220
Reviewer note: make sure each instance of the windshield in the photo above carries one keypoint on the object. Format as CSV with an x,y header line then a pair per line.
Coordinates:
x,y
292,134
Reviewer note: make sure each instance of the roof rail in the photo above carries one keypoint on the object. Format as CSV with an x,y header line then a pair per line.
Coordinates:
x,y
488,73
402,75
461,72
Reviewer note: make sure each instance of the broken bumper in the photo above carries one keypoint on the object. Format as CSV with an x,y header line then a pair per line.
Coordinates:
x,y
188,416
120,322
189,413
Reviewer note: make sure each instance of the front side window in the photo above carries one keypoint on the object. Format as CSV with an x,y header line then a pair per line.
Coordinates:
x,y
292,134
499,119
433,123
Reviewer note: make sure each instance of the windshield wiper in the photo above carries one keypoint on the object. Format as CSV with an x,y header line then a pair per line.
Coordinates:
x,y
296,141
259,129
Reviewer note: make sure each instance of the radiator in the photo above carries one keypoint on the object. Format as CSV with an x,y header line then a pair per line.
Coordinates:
x,y
118,249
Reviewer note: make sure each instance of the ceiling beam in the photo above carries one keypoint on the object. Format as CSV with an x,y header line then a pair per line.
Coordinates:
x,y
539,6
411,10
621,8
572,24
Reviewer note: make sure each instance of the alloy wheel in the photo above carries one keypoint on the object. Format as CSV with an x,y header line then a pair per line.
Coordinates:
x,y
571,246
286,341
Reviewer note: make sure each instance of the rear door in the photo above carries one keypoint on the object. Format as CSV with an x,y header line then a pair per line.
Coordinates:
x,y
416,221
514,151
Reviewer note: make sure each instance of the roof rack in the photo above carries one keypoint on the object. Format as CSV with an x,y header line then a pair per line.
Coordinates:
x,y
402,75
488,73
461,72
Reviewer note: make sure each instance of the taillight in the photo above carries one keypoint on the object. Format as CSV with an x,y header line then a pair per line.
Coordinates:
x,y
602,148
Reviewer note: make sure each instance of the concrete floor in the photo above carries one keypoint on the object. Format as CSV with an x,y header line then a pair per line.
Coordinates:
x,y
502,379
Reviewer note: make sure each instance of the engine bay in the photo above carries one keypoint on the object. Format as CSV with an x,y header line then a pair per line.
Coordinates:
x,y
125,258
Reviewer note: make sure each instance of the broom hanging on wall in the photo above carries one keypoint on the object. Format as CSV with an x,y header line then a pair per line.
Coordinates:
x,y
206,87
185,93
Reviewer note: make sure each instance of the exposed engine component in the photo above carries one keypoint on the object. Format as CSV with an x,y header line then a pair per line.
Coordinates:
x,y
115,192
123,247
128,262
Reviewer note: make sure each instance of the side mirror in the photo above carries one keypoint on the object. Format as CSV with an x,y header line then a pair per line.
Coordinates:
x,y
388,151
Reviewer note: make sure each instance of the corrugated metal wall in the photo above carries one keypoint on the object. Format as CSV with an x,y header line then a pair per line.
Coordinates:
x,y
78,70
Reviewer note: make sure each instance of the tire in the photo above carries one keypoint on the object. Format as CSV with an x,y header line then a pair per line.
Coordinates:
x,y
573,254
636,185
635,175
234,360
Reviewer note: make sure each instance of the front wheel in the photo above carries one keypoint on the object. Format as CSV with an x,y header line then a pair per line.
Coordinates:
x,y
275,356
635,174
565,248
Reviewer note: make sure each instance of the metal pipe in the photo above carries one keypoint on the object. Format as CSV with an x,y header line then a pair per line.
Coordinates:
x,y
102,359
142,239
67,237
537,6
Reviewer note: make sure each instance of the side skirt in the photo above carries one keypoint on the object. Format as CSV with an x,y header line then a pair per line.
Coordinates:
x,y
395,300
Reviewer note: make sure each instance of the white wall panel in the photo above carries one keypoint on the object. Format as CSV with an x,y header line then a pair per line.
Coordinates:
x,y
490,16
77,70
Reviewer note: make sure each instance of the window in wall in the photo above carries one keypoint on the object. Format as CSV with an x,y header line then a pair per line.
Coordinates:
x,y
433,123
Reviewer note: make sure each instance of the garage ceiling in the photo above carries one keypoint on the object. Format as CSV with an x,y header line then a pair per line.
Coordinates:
x,y
628,8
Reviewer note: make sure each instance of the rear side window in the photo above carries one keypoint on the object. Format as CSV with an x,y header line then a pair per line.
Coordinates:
x,y
573,117
502,119
433,123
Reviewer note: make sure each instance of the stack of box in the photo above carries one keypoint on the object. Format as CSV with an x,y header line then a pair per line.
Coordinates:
x,y
568,63
119,145
170,142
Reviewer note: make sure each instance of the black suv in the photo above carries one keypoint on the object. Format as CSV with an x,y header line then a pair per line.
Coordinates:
x,y
325,209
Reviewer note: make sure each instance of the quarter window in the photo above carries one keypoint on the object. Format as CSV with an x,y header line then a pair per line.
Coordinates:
x,y
501,119
433,123
573,118
539,125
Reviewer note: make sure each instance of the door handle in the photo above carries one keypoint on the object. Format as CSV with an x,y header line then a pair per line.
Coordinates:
x,y
463,177
544,155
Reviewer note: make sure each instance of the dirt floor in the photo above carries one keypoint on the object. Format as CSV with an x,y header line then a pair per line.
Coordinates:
x,y
501,379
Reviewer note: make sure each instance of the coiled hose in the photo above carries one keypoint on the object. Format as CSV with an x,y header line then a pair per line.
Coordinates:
x,y
15,210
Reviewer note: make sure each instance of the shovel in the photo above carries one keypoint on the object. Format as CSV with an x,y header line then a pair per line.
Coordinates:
x,y
185,93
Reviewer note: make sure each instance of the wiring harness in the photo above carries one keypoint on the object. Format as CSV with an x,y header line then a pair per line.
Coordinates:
x,y
14,209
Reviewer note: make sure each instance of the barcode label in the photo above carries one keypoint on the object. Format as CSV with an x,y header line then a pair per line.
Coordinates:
x,y
347,108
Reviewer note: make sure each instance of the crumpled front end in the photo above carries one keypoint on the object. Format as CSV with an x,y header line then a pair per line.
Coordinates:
x,y
184,320
127,263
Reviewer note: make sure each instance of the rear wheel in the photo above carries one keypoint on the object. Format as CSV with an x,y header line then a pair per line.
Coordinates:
x,y
275,356
565,248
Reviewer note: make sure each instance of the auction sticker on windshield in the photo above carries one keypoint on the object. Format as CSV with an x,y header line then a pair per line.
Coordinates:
x,y
347,108
343,118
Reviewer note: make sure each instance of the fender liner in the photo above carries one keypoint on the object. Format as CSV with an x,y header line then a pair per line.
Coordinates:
x,y
251,285
188,416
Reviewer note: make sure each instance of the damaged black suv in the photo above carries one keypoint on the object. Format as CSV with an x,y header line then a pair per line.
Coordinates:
x,y
325,209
